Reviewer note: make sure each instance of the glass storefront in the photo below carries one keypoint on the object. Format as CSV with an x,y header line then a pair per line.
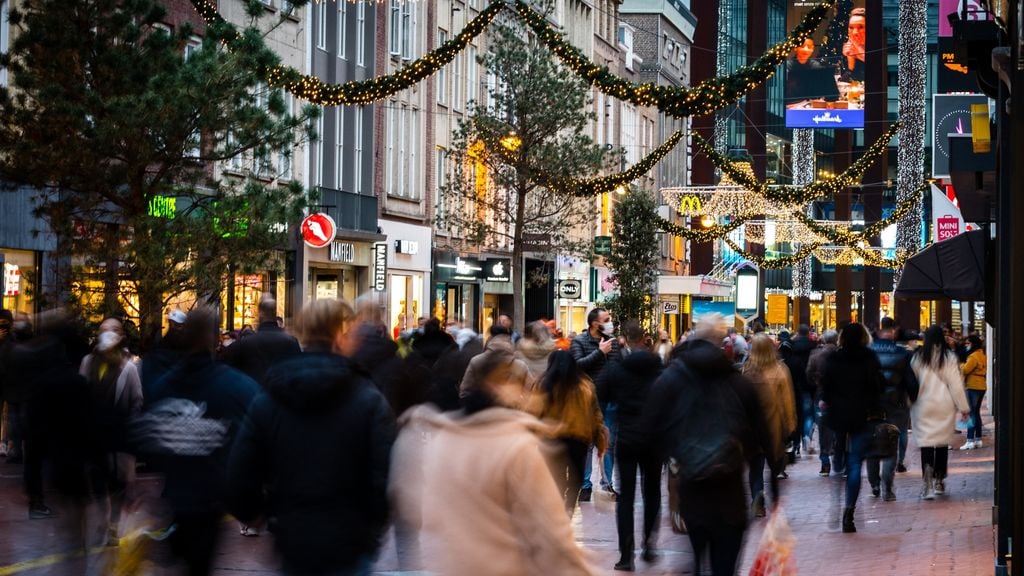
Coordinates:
x,y
405,293
458,302
20,270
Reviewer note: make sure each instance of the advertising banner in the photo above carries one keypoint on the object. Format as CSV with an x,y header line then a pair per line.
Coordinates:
x,y
825,75
968,9
946,219
951,114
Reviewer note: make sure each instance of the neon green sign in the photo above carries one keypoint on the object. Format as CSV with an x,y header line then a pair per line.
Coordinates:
x,y
163,207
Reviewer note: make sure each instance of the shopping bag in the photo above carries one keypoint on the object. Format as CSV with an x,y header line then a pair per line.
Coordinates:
x,y
775,552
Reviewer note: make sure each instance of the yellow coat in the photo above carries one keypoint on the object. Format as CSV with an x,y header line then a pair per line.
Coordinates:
x,y
975,369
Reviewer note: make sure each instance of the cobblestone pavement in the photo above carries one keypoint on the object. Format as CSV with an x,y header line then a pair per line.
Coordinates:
x,y
951,535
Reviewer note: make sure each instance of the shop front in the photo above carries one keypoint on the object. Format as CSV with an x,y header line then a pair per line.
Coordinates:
x,y
470,290
574,294
20,279
408,275
339,270
676,295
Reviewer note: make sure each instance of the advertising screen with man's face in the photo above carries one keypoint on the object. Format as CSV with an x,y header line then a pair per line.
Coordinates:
x,y
825,74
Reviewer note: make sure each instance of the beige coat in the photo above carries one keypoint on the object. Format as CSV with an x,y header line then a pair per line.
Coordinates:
x,y
481,492
535,355
939,399
775,389
509,383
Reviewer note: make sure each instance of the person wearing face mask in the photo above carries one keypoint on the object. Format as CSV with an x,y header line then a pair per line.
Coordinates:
x,y
664,346
593,351
115,398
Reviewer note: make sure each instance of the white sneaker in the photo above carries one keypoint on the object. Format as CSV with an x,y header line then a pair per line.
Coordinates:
x,y
968,445
977,443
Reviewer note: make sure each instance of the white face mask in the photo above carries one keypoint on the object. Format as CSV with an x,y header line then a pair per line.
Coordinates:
x,y
107,341
608,328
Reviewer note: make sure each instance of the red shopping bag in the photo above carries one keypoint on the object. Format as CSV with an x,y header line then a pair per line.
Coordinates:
x,y
775,552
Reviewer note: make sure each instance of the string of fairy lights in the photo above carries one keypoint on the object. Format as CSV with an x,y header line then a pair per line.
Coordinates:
x,y
605,184
910,158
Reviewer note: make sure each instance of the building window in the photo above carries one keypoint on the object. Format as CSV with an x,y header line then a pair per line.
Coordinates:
x,y
442,181
287,7
321,25
403,135
358,164
408,30
396,27
320,147
284,164
339,157
191,47
471,75
457,81
389,176
412,184
360,33
4,39
342,27
234,162
442,77
192,148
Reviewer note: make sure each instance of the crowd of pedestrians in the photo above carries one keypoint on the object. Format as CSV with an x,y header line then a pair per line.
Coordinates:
x,y
476,449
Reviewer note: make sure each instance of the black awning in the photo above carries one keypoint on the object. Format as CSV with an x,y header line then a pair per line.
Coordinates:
x,y
953,268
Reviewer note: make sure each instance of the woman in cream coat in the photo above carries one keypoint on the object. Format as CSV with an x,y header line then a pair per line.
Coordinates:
x,y
940,397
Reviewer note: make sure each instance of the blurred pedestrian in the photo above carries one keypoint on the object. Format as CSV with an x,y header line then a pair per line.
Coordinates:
x,y
899,385
772,380
166,353
268,346
324,501
477,484
940,397
115,391
705,416
533,349
852,387
815,370
628,385
796,352
664,350
593,350
188,425
499,348
975,370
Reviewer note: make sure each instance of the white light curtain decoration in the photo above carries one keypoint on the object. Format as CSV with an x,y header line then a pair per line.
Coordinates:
x,y
771,232
722,201
913,30
803,174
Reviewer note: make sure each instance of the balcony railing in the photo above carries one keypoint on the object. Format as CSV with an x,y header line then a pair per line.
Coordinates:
x,y
350,211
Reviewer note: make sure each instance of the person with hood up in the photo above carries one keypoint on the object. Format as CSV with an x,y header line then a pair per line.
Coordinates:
x,y
775,390
533,349
628,384
116,398
940,396
499,348
325,501
478,486
707,417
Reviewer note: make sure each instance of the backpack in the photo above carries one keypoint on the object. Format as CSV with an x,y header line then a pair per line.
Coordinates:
x,y
706,445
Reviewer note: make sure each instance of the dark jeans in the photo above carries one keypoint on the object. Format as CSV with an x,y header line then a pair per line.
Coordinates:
x,y
854,459
974,399
725,542
195,540
630,460
607,464
33,437
755,470
840,441
888,471
807,412
938,458
570,480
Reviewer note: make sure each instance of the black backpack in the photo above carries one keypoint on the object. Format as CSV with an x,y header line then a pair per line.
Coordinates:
x,y
705,431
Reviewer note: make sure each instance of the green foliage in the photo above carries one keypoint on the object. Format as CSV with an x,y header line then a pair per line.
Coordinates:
x,y
105,115
634,258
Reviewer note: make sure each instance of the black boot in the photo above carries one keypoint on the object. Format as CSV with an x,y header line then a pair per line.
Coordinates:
x,y
848,526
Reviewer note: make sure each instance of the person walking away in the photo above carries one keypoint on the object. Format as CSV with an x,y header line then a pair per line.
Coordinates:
x,y
851,392
940,396
477,485
898,385
165,353
188,424
815,369
115,391
974,370
796,352
775,391
324,502
628,385
15,382
265,348
499,348
740,348
533,349
593,350
569,404
706,416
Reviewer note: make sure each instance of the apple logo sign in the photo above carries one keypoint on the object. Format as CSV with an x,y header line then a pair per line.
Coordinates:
x,y
498,269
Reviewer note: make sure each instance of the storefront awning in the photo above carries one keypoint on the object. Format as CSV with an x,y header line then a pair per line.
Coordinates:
x,y
953,268
694,286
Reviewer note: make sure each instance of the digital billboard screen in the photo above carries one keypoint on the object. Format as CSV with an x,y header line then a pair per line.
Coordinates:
x,y
825,75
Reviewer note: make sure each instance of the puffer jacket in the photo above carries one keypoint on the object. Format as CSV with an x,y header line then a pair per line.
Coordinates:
x,y
900,383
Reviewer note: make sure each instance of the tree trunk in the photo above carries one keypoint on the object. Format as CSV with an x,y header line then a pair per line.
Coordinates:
x,y
518,305
151,308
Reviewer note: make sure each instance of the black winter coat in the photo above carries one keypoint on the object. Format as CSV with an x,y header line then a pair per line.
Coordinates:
x,y
319,439
257,353
796,354
850,388
722,503
899,381
628,384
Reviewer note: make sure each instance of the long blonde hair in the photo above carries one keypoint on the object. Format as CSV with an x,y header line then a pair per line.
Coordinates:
x,y
762,357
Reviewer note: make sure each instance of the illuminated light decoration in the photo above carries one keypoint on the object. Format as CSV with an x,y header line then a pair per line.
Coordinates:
x,y
826,187
700,236
314,90
771,263
912,69
859,256
705,98
842,235
803,152
612,183
781,232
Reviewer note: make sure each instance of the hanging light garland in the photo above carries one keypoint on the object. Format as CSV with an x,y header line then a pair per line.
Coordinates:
x,y
595,186
700,100
825,187
316,91
842,235
859,256
772,263
697,235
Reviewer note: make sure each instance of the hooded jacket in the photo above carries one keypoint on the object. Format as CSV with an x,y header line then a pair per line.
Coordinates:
x,y
899,382
480,489
851,388
535,355
319,438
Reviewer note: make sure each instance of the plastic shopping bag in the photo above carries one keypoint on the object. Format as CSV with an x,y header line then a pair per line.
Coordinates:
x,y
775,552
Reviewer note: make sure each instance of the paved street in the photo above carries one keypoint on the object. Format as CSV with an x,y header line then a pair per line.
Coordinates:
x,y
952,535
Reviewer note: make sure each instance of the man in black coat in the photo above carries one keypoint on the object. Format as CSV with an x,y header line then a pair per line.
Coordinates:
x,y
257,353
319,439
628,385
795,354
900,385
